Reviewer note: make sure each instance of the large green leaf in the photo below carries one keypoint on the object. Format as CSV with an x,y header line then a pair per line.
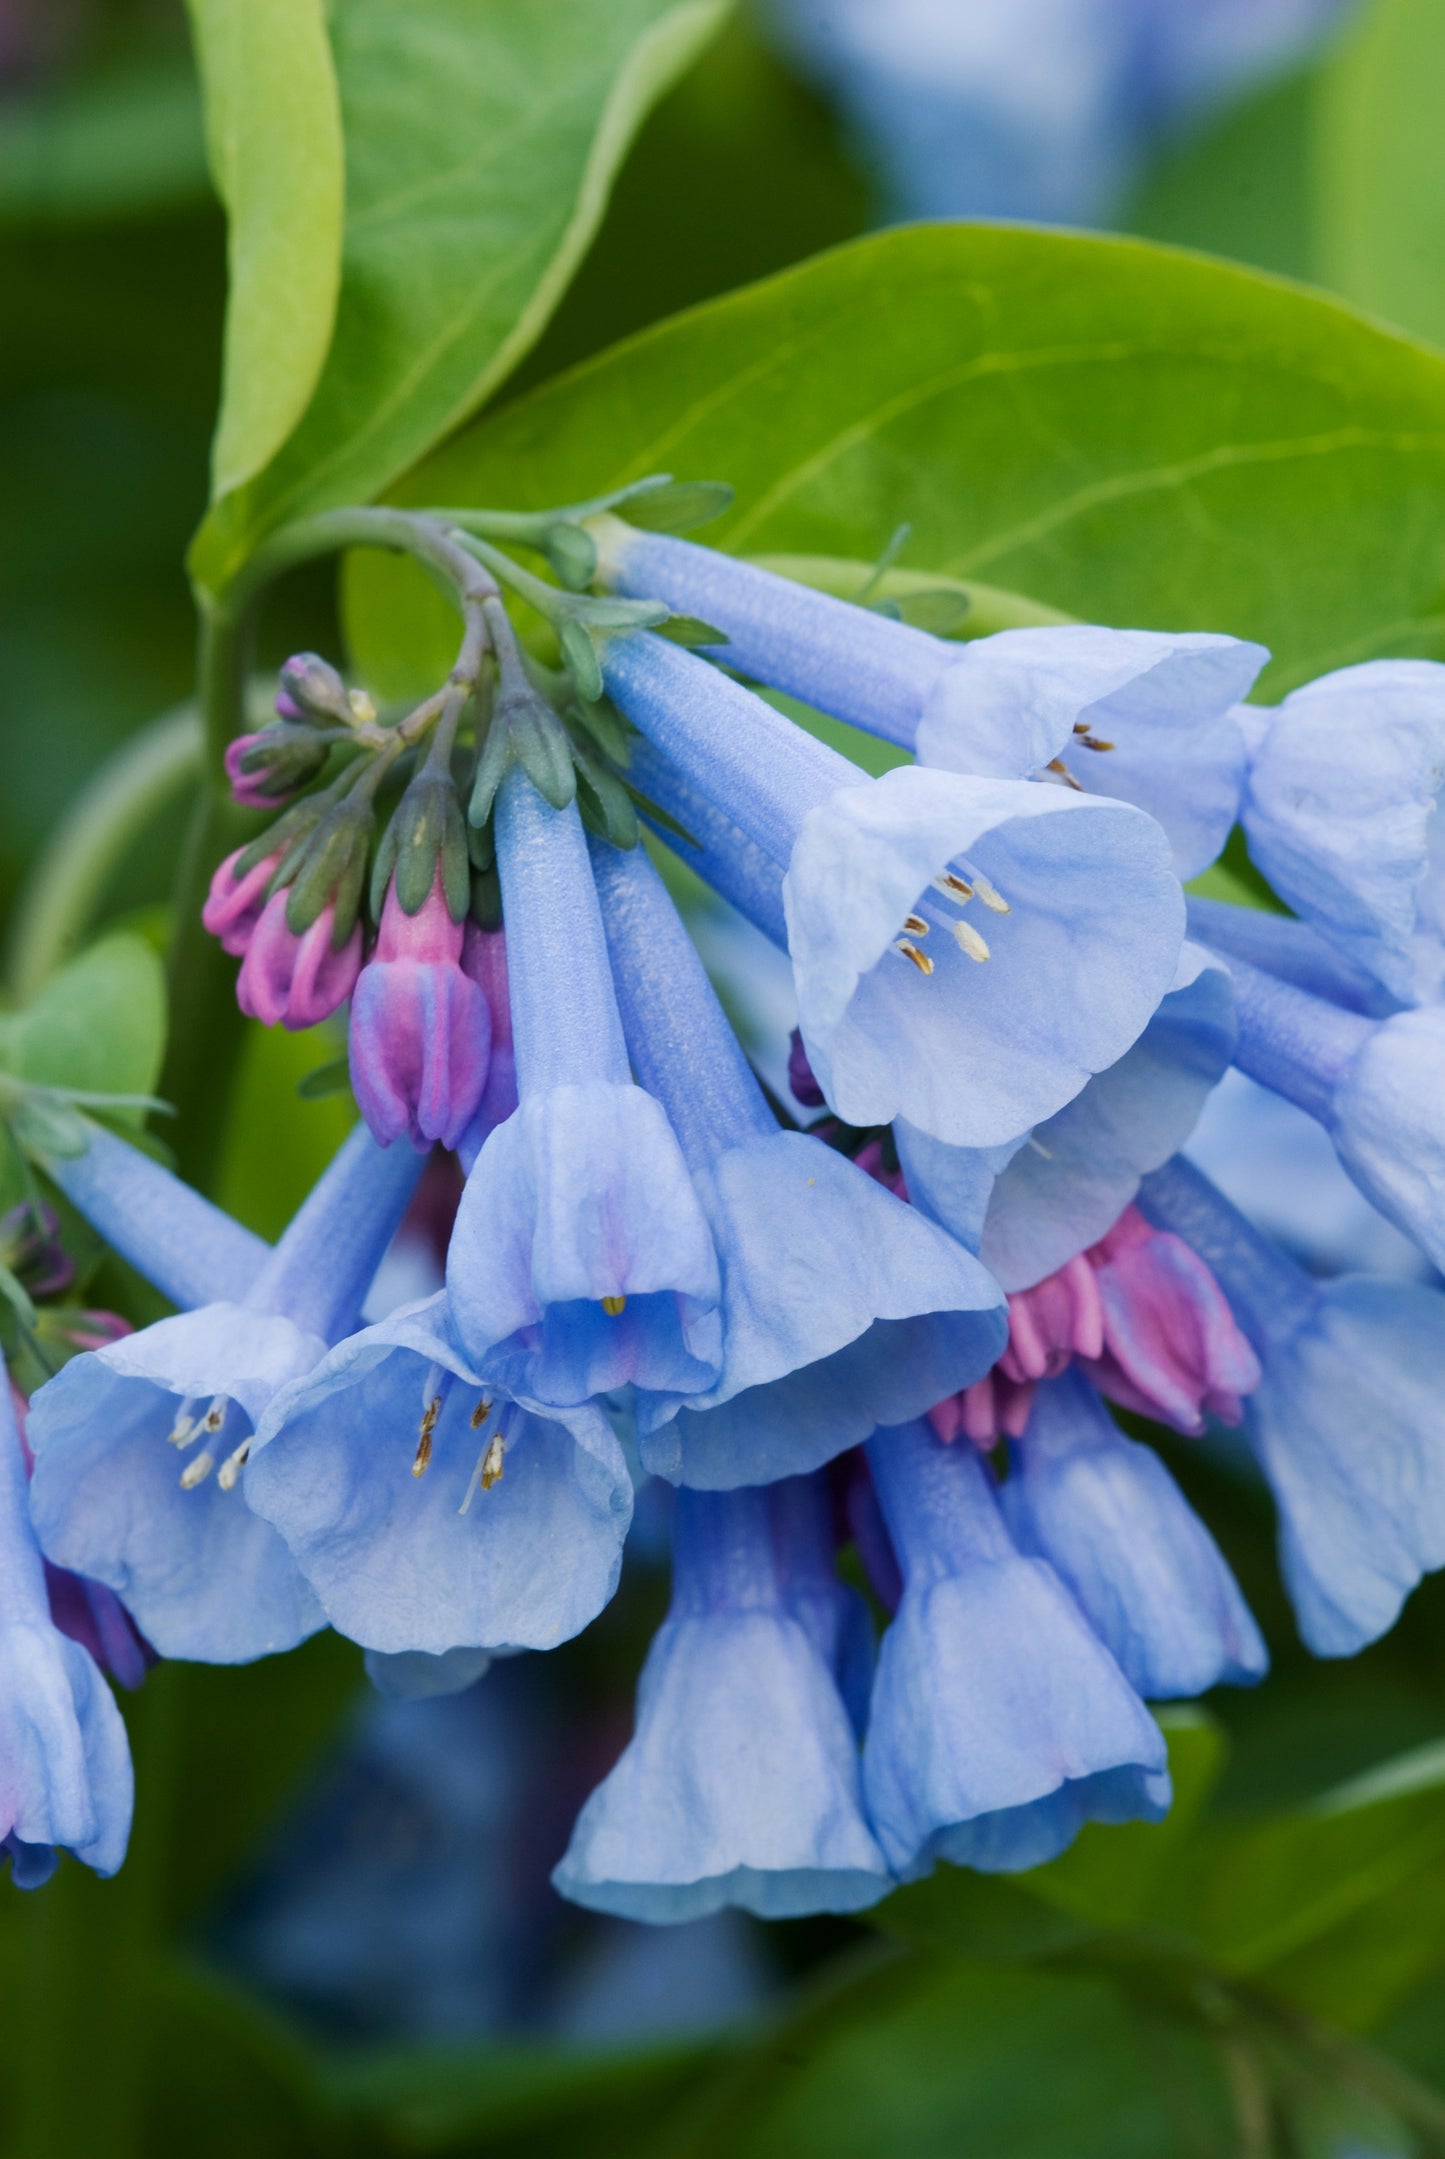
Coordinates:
x,y
481,139
273,130
99,1024
1130,434
1379,167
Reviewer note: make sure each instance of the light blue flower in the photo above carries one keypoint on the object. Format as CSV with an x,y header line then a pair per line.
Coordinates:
x,y
740,1785
1137,715
1375,1085
1341,817
1290,949
581,1258
1115,1527
431,1512
163,1525
905,1007
842,1308
999,1723
1346,1424
189,1250
1026,1210
65,1772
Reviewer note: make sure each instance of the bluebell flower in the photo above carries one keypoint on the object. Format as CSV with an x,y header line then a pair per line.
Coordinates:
x,y
139,1446
740,1785
1115,1527
581,1258
1137,715
842,1308
65,1772
428,1510
1284,946
1373,1084
1340,814
192,1252
999,1723
1346,1423
902,1008
1027,1209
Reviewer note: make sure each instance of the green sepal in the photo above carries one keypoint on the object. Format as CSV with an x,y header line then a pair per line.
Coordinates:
x,y
677,505
602,615
546,756
456,866
289,754
421,823
572,553
657,815
332,866
333,1077
487,899
44,1126
603,801
935,609
383,863
482,845
292,827
580,654
601,724
688,630
524,730
346,900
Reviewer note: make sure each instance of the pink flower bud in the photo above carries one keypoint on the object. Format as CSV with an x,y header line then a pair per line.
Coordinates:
x,y
484,959
292,980
233,905
421,1030
253,790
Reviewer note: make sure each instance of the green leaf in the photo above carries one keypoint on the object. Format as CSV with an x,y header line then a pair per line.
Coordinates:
x,y
273,130
1129,434
1380,204
99,1025
482,138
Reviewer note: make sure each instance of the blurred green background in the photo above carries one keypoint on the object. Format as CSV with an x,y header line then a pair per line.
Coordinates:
x,y
197,2002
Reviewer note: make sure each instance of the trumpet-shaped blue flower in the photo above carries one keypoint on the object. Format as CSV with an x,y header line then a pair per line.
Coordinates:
x,y
65,1773
581,1259
1346,1422
1026,1210
430,1511
1373,1084
189,1250
740,1785
1115,1527
1137,715
999,1723
1283,946
1341,817
905,1007
842,1308
139,1446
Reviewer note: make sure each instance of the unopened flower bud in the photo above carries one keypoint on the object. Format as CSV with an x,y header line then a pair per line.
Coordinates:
x,y
313,691
296,980
266,769
421,1029
31,1250
236,899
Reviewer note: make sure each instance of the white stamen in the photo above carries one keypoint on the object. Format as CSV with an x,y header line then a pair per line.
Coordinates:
x,y
992,898
185,1429
231,1468
969,941
197,1472
1039,1148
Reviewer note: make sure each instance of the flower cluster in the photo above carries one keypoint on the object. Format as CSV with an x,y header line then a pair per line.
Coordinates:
x,y
892,1317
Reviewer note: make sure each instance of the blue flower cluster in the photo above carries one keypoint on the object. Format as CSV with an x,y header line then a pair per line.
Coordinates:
x,y
893,1325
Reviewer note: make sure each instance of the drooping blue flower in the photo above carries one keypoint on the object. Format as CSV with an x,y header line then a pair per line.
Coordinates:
x,y
1375,1085
1290,949
65,1771
1028,1209
1137,715
1115,1527
842,1308
431,1512
905,1007
204,1576
999,1722
581,1258
1346,1424
740,1785
1340,812
189,1250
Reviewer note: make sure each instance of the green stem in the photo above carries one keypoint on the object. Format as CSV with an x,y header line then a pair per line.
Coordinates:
x,y
97,832
990,607
206,1024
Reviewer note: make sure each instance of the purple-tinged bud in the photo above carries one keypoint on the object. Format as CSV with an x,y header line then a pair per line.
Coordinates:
x,y
296,980
267,769
312,690
235,902
31,1250
421,1030
484,960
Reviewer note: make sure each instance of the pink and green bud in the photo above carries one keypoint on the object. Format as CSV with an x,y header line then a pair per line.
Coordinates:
x,y
421,1028
266,769
237,899
293,979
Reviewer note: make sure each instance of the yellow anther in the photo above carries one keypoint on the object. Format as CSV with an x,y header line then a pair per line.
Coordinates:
x,y
491,1468
611,1306
480,1414
911,952
1092,742
916,924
